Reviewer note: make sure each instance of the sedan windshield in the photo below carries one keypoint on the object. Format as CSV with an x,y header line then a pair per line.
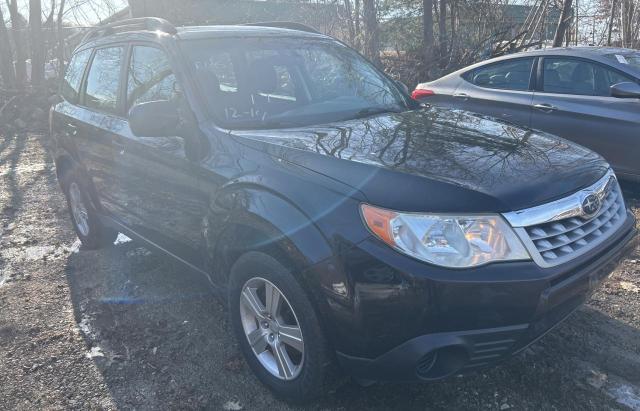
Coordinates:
x,y
257,83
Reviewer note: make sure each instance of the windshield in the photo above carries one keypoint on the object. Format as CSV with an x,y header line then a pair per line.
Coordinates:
x,y
632,59
255,83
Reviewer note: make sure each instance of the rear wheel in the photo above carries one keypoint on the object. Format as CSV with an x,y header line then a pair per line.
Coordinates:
x,y
86,223
277,328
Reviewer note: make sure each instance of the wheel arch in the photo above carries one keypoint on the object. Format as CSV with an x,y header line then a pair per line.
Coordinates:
x,y
251,218
64,163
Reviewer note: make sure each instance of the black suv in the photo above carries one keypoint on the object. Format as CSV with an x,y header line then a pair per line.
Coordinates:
x,y
345,225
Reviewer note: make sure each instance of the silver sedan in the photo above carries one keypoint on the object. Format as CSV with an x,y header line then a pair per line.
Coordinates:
x,y
590,95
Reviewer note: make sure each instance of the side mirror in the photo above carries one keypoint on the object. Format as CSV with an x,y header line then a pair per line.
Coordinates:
x,y
625,90
154,119
402,86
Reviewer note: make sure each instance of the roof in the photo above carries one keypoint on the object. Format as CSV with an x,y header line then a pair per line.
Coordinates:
x,y
579,51
590,52
203,32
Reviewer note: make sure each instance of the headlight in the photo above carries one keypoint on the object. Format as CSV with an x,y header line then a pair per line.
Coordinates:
x,y
455,241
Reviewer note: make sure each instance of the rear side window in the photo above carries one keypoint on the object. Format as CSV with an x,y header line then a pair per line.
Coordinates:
x,y
506,75
103,81
150,77
73,79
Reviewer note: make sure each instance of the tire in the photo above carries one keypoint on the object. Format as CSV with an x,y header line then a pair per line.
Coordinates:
x,y
313,366
86,223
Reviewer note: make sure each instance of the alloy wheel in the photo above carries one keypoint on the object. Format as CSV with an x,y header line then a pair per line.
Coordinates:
x,y
272,328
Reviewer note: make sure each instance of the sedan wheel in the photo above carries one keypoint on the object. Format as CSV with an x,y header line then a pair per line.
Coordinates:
x,y
272,329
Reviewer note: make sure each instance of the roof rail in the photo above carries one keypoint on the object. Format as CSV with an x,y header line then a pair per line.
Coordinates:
x,y
141,23
285,25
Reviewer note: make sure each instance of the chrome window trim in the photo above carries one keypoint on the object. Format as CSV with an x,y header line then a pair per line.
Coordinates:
x,y
560,209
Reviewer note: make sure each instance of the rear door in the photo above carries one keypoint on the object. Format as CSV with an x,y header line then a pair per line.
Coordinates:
x,y
502,90
574,102
67,127
98,114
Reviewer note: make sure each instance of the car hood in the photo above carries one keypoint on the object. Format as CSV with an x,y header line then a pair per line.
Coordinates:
x,y
438,160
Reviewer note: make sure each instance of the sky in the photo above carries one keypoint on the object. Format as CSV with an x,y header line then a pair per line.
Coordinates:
x,y
78,12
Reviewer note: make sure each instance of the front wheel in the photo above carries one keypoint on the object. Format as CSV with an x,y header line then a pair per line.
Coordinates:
x,y
277,328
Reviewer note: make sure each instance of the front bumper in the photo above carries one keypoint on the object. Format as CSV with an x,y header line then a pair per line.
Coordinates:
x,y
435,355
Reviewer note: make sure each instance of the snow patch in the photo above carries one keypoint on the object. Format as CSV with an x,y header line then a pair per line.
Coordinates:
x,y
38,252
95,352
232,406
85,327
122,239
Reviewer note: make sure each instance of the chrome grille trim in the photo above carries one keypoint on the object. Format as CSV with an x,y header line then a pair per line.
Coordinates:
x,y
558,232
560,209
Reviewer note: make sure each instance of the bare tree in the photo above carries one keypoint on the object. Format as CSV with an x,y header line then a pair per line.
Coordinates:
x,y
563,23
371,31
427,23
612,14
442,29
6,55
17,28
60,32
37,43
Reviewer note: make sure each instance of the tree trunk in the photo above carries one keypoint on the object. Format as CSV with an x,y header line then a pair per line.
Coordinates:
x,y
6,56
356,16
37,43
563,23
611,20
442,30
60,31
18,43
427,23
371,31
453,19
350,22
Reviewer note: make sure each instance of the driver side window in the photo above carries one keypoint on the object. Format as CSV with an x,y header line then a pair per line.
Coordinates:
x,y
150,77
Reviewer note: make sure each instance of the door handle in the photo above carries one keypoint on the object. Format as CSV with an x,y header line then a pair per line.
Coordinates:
x,y
544,107
118,144
463,96
72,130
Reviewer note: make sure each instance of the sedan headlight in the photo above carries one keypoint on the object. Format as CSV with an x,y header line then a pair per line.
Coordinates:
x,y
455,241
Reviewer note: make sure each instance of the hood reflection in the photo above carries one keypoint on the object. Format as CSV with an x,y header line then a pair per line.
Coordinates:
x,y
452,146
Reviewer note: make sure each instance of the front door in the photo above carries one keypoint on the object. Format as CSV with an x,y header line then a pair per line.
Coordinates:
x,y
575,103
164,203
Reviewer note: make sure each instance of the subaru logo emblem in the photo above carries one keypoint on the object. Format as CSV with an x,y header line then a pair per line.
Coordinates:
x,y
590,206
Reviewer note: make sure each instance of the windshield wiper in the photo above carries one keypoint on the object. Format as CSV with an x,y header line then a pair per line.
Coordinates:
x,y
372,111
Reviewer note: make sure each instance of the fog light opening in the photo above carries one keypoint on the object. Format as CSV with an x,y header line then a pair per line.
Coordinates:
x,y
442,362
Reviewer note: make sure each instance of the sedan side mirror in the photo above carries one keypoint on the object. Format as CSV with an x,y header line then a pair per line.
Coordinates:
x,y
625,90
154,119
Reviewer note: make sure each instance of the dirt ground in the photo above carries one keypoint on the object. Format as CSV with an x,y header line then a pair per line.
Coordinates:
x,y
122,328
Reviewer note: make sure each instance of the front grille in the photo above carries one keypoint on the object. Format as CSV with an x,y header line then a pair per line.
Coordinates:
x,y
560,241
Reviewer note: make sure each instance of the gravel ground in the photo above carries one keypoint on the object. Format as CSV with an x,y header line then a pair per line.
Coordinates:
x,y
123,328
